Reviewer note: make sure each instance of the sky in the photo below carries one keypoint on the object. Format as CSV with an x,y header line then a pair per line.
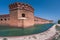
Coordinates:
x,y
47,9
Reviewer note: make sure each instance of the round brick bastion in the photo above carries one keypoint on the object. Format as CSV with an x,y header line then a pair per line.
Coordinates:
x,y
39,32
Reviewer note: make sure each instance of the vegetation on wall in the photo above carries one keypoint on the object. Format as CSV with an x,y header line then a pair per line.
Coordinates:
x,y
58,21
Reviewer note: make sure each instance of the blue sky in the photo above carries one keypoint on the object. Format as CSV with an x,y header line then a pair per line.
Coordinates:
x,y
47,9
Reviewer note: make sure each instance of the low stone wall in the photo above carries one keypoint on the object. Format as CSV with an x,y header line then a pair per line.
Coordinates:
x,y
41,36
58,24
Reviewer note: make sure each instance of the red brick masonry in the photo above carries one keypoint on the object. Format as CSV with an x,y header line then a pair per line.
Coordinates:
x,y
21,15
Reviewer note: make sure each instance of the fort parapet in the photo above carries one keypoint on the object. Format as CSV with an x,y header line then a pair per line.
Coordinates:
x,y
20,6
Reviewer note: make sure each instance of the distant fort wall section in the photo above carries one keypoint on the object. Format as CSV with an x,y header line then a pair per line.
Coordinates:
x,y
38,20
4,19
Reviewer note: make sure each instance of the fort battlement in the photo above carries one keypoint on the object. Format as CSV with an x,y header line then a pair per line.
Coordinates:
x,y
20,6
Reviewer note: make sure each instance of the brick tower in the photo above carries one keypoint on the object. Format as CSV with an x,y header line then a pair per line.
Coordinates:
x,y
21,15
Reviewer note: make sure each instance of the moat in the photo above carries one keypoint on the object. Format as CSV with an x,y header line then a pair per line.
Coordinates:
x,y
12,31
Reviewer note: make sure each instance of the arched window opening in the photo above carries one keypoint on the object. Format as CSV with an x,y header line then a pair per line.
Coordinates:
x,y
1,19
23,15
5,19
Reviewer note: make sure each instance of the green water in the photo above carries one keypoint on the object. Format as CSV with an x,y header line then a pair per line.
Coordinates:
x,y
9,31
